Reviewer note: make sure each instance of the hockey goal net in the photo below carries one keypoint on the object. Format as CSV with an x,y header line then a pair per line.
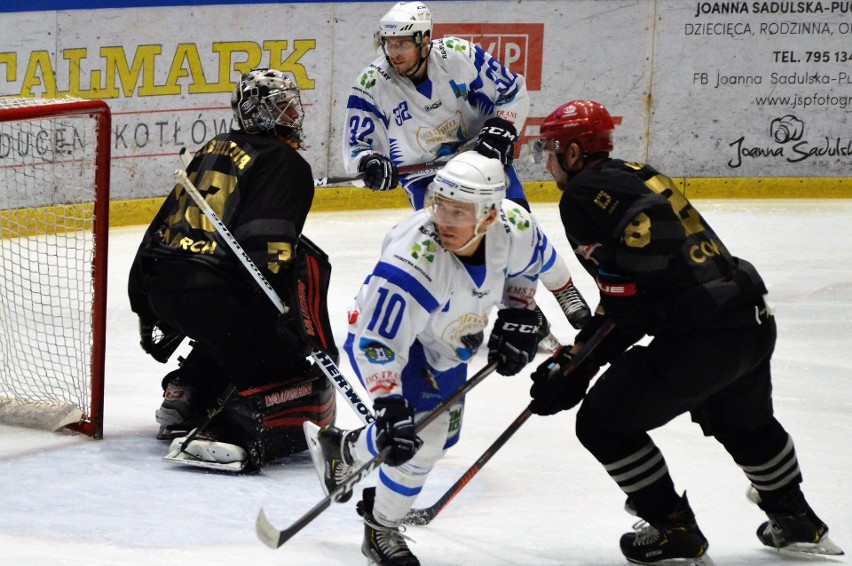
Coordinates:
x,y
54,208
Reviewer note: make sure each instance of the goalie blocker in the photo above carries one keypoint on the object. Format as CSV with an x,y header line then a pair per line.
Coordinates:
x,y
261,424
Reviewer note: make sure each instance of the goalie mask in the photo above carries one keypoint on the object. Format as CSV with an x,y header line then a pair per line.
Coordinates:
x,y
267,102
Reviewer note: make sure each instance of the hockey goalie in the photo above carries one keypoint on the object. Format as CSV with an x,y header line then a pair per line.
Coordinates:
x,y
240,396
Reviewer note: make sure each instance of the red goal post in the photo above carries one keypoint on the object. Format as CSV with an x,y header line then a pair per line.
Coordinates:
x,y
54,222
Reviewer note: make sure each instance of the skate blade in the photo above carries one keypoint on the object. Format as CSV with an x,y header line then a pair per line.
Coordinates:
x,y
311,431
548,344
704,560
825,547
170,433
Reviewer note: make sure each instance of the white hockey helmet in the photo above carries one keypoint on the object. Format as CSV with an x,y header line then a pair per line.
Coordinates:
x,y
267,102
470,177
407,19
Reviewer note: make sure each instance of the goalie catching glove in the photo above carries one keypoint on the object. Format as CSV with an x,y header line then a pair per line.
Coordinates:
x,y
380,174
497,140
558,384
514,340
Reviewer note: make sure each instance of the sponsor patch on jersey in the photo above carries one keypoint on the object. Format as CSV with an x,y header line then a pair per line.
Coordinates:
x,y
518,219
368,79
425,250
383,381
353,315
376,352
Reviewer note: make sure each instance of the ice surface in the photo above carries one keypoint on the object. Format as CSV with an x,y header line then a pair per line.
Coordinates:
x,y
542,500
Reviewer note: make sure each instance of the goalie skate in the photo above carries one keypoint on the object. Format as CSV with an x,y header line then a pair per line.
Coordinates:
x,y
204,452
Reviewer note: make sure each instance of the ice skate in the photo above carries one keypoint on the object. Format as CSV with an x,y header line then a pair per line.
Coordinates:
x,y
793,527
674,540
331,457
573,305
383,546
178,414
547,342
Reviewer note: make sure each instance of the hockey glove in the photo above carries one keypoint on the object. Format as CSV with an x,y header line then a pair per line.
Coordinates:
x,y
158,340
379,173
514,340
557,384
497,140
395,428
146,334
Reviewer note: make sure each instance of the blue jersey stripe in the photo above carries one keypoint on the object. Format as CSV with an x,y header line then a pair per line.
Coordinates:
x,y
407,282
358,103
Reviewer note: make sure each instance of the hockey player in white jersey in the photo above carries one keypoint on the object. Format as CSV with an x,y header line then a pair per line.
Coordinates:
x,y
424,99
417,321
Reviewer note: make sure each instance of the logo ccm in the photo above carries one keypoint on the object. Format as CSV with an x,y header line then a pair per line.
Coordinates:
x,y
517,46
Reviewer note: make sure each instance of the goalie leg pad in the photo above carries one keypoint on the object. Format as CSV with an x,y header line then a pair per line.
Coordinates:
x,y
268,420
309,293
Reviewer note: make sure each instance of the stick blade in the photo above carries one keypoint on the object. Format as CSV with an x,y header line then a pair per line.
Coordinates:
x,y
268,535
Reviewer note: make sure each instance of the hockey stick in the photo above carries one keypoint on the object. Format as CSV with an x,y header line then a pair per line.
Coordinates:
x,y
424,516
274,538
357,179
323,360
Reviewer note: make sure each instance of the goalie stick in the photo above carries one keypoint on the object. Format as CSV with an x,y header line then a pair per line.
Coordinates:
x,y
323,360
424,516
274,538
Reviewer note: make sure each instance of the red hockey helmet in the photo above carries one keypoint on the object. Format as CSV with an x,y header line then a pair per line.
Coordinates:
x,y
584,122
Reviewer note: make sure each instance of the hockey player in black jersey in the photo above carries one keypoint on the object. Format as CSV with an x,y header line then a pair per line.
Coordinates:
x,y
247,366
663,272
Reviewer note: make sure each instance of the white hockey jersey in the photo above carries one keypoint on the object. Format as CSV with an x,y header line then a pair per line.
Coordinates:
x,y
420,291
412,124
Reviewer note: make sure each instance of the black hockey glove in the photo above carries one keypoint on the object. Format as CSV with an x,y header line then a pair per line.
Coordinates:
x,y
497,140
379,173
146,334
158,340
557,385
514,340
395,428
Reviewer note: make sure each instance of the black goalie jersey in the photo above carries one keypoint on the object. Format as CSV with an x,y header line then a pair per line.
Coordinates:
x,y
259,187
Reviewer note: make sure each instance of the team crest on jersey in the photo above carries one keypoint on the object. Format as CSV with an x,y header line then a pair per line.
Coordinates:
x,y
376,352
460,90
517,219
425,249
460,330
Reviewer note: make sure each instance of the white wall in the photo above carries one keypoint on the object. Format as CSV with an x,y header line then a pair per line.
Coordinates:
x,y
690,80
